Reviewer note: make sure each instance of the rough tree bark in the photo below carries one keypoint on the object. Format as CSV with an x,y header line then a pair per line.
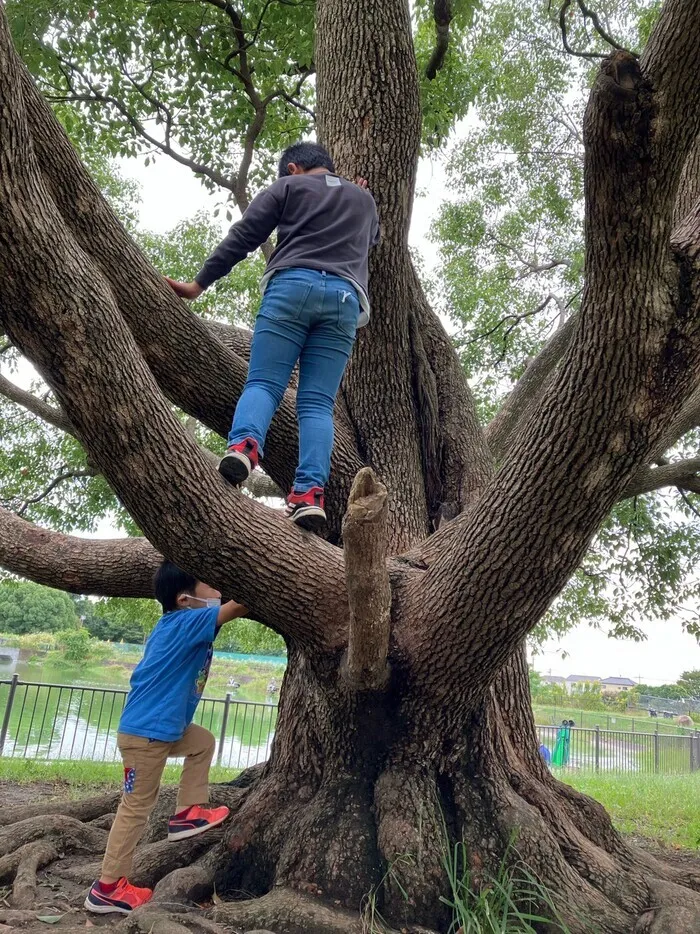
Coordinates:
x,y
374,770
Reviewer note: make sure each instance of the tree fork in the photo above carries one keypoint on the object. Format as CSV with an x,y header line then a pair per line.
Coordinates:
x,y
367,582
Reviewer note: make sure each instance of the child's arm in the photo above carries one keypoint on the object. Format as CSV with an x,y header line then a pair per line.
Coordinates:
x,y
229,611
251,231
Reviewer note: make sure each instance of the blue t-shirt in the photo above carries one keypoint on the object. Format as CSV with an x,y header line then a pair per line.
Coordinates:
x,y
168,682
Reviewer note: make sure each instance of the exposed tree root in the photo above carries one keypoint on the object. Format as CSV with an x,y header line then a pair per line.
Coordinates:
x,y
70,834
669,921
152,863
86,810
33,857
298,851
666,870
411,841
189,885
286,912
10,863
153,919
103,823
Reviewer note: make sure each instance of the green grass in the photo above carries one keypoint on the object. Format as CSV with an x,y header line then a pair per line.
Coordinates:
x,y
87,776
663,808
511,902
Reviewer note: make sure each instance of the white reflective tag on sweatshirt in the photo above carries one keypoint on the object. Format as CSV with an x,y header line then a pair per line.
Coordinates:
x,y
332,181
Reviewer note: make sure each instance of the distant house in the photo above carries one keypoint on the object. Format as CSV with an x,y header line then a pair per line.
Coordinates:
x,y
615,685
575,681
553,679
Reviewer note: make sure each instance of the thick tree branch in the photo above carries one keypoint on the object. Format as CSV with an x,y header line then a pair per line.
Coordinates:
x,y
261,486
367,583
689,185
670,63
122,567
49,413
522,400
442,14
682,474
670,60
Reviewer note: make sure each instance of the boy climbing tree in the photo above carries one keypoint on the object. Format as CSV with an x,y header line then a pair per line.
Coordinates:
x,y
315,297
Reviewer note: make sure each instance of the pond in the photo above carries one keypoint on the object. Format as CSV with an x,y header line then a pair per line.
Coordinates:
x,y
62,711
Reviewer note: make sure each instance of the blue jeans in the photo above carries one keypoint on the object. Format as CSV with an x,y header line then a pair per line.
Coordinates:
x,y
311,317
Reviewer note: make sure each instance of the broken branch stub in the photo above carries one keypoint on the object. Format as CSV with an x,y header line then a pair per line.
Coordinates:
x,y
365,536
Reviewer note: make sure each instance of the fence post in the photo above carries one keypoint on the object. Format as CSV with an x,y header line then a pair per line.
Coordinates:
x,y
597,748
633,729
656,750
8,711
692,752
608,723
224,724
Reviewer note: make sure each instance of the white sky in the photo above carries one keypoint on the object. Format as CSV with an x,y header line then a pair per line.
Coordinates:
x,y
170,194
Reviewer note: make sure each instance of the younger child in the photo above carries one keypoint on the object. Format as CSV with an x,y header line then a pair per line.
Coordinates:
x,y
156,724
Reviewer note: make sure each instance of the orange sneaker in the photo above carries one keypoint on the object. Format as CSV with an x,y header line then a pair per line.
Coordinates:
x,y
195,820
122,899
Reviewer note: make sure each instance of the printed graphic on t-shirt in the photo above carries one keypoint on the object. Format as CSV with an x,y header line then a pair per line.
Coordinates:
x,y
203,675
129,779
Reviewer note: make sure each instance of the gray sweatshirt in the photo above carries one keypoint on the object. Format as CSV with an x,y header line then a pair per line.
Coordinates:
x,y
323,222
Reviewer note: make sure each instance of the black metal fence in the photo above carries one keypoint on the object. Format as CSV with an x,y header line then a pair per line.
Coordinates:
x,y
627,722
599,750
669,707
58,721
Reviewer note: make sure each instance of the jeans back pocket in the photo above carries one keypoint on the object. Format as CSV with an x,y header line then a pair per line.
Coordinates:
x,y
348,311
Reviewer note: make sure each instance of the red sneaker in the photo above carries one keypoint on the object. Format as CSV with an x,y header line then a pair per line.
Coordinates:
x,y
306,509
122,899
195,820
239,461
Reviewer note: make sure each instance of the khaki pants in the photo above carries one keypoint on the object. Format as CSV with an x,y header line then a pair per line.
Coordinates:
x,y
147,759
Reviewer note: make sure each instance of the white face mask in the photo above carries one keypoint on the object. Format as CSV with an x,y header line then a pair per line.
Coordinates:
x,y
211,602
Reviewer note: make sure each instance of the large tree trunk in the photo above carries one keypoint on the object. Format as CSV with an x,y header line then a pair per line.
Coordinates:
x,y
382,760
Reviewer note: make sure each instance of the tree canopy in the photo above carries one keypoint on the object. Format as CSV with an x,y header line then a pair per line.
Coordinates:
x,y
27,607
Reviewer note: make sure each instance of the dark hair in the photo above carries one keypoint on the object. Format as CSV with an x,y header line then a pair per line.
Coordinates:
x,y
306,155
169,583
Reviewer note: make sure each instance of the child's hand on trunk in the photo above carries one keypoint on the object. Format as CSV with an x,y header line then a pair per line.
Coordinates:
x,y
188,290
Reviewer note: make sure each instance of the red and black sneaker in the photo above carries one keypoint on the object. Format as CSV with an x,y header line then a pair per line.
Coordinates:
x,y
239,461
306,509
195,820
121,898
